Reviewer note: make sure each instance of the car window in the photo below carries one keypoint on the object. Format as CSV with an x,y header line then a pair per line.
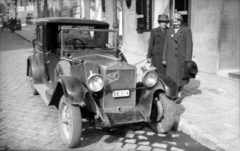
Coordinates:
x,y
83,35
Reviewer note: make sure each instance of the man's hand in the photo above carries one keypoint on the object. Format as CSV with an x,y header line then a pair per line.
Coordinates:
x,y
164,63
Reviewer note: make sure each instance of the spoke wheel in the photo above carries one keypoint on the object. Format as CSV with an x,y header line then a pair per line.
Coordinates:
x,y
70,123
162,114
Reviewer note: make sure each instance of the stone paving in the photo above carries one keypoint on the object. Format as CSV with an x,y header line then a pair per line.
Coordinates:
x,y
209,112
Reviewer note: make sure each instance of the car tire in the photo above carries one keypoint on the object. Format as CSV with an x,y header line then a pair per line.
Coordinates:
x,y
162,114
63,68
34,91
70,123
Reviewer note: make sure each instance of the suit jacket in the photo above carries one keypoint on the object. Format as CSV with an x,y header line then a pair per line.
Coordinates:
x,y
155,49
177,49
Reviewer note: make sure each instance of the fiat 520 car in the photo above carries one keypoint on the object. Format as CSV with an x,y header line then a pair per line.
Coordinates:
x,y
74,67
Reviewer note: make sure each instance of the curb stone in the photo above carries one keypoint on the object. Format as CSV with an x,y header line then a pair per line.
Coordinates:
x,y
200,136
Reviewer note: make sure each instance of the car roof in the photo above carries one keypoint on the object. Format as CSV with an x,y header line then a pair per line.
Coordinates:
x,y
71,21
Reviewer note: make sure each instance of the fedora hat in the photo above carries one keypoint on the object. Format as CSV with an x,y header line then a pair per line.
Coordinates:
x,y
190,70
163,17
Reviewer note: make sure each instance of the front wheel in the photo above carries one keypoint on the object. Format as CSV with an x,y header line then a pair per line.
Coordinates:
x,y
162,114
70,123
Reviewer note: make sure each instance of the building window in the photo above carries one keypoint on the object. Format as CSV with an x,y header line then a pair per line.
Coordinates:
x,y
144,15
181,7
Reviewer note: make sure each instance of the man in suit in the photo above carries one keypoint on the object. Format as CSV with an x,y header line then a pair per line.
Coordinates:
x,y
177,51
155,48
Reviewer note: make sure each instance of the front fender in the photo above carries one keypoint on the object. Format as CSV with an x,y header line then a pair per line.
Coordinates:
x,y
72,88
164,85
169,86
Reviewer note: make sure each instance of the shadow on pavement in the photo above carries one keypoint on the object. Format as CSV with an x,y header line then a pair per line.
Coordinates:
x,y
192,88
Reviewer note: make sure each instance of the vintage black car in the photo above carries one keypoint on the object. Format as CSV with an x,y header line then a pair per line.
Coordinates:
x,y
75,67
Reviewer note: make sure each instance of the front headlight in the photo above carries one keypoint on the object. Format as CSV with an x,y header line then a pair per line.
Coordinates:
x,y
150,78
95,82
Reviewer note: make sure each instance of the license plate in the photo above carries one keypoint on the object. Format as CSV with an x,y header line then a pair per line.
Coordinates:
x,y
121,93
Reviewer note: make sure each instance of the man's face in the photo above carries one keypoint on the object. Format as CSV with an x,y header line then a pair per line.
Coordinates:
x,y
163,24
176,23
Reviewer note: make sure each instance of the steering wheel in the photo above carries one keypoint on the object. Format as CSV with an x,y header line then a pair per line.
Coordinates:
x,y
74,42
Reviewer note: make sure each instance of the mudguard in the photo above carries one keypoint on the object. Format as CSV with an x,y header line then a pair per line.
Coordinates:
x,y
36,69
169,86
165,85
72,88
76,93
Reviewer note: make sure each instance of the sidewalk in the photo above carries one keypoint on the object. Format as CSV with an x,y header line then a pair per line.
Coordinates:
x,y
209,112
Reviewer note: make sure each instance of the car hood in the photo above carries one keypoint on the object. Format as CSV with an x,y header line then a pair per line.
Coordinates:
x,y
100,59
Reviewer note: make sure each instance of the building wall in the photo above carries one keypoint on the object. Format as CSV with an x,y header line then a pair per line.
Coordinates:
x,y
25,9
205,25
215,26
132,40
229,38
159,7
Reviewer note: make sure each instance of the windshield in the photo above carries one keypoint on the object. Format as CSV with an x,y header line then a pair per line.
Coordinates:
x,y
82,37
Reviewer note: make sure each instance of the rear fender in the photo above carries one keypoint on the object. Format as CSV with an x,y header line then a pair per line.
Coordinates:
x,y
33,65
72,88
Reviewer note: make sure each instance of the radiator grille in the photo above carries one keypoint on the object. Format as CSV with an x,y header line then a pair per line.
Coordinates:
x,y
124,80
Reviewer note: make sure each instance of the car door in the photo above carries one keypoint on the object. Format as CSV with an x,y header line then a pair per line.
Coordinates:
x,y
39,55
52,52
52,61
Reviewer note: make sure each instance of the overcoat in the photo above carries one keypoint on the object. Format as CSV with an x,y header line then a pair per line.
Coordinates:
x,y
155,49
177,49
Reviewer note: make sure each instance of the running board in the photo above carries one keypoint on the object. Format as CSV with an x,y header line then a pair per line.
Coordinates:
x,y
44,92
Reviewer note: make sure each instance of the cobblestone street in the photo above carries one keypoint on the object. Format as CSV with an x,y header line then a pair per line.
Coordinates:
x,y
26,123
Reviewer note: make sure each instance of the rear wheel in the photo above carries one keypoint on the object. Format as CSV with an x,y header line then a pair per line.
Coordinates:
x,y
162,114
70,123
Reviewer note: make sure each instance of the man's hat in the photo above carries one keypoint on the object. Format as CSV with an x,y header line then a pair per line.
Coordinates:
x,y
163,17
190,70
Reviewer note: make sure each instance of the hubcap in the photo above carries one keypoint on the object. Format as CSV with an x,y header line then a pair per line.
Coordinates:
x,y
66,120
